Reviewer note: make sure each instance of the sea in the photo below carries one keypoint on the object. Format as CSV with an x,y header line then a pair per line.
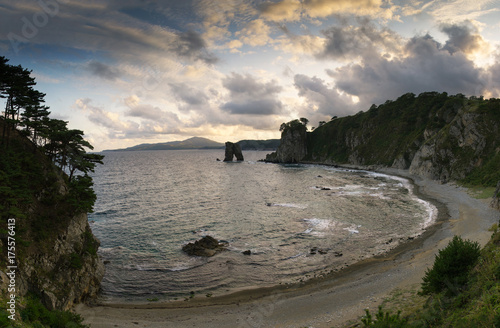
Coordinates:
x,y
298,221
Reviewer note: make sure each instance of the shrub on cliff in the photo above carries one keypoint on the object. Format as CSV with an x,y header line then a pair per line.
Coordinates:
x,y
451,267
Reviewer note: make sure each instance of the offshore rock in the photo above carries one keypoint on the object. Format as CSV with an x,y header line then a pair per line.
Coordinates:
x,y
495,203
206,246
233,150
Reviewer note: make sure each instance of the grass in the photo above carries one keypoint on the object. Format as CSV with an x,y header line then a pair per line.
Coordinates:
x,y
480,192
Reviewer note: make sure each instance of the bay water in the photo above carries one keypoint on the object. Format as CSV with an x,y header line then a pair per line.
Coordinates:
x,y
298,221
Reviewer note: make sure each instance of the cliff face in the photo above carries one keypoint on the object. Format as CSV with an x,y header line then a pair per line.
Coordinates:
x,y
66,270
293,144
433,135
495,202
453,152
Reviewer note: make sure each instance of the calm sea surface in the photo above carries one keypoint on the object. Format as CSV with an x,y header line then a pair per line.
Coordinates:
x,y
151,203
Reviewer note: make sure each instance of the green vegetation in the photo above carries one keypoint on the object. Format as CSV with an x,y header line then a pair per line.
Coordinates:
x,y
23,166
44,183
294,125
470,300
451,267
36,315
462,133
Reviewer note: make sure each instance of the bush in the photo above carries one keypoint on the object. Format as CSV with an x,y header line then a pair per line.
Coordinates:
x,y
39,316
451,267
384,320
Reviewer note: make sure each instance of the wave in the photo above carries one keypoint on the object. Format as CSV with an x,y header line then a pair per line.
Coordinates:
x,y
290,205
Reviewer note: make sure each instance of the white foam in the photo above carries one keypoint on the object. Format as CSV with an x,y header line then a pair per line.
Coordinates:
x,y
353,229
291,205
405,183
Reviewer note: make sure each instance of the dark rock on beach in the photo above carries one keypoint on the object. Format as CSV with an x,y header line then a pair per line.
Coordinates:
x,y
247,252
206,246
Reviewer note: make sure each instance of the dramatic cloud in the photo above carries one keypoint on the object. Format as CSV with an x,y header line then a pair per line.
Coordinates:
x,y
251,97
322,101
191,44
428,66
160,68
463,38
348,42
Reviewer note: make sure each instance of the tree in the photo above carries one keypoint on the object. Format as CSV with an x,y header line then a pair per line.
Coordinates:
x,y
16,85
66,148
34,116
451,266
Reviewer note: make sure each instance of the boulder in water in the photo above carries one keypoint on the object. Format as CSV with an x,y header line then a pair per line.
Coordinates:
x,y
206,246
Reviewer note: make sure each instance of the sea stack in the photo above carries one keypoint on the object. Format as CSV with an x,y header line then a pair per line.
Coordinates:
x,y
233,149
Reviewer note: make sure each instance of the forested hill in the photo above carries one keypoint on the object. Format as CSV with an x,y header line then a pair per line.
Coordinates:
x,y
45,195
433,134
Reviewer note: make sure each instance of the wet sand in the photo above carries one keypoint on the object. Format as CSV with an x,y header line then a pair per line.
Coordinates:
x,y
325,302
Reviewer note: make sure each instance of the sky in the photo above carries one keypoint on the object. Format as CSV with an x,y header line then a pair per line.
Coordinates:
x,y
128,72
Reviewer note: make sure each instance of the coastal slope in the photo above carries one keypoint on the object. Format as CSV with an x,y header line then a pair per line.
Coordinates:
x,y
55,250
433,135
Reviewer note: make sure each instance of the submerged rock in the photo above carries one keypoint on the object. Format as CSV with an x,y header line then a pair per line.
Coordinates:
x,y
206,246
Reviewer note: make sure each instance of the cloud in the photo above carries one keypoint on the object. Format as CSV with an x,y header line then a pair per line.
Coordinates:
x,y
463,38
103,71
255,33
348,42
300,44
251,97
191,45
322,101
293,10
286,10
112,30
453,11
155,121
424,66
191,97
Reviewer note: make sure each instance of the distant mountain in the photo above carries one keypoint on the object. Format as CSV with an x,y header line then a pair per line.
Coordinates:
x,y
191,143
270,144
204,143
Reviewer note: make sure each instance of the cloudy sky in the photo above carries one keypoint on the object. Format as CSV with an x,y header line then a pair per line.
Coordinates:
x,y
135,71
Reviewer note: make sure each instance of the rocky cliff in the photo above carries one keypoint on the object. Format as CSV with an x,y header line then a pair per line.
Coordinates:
x,y
495,202
293,144
65,270
433,135
55,250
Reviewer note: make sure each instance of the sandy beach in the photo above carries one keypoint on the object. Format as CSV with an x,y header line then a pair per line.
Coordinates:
x,y
325,302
